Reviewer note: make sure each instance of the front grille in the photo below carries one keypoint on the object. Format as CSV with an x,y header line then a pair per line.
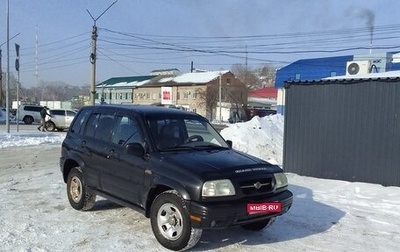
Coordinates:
x,y
257,186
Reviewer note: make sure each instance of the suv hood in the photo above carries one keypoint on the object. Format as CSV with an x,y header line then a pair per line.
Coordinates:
x,y
217,161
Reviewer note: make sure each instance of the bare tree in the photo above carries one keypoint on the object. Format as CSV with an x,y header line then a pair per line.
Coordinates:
x,y
53,91
257,78
267,74
208,98
12,90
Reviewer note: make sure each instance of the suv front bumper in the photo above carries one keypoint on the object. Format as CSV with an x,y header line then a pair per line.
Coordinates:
x,y
221,215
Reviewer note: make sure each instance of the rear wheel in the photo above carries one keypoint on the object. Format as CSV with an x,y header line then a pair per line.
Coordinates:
x,y
78,196
28,119
171,223
255,226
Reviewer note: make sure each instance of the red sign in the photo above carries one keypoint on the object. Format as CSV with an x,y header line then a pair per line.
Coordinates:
x,y
268,207
166,95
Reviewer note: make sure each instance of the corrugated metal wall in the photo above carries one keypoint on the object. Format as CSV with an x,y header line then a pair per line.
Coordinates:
x,y
345,130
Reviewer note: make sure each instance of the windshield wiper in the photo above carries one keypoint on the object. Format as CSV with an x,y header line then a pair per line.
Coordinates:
x,y
200,147
209,146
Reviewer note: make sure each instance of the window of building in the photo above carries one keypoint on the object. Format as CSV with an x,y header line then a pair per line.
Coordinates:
x,y
333,73
297,76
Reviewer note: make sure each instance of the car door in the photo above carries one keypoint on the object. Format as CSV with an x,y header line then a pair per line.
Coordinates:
x,y
58,117
81,145
124,178
96,141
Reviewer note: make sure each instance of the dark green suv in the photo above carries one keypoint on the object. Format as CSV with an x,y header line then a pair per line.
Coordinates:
x,y
172,166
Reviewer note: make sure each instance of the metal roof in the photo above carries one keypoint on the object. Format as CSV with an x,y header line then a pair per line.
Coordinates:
x,y
128,81
347,79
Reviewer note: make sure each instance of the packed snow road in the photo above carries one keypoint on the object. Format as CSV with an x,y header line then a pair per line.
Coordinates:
x,y
326,215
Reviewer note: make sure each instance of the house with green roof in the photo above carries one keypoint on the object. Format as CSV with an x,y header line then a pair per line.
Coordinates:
x,y
119,90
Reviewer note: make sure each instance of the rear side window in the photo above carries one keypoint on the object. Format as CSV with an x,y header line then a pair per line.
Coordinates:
x,y
58,112
71,113
91,125
32,108
78,124
104,127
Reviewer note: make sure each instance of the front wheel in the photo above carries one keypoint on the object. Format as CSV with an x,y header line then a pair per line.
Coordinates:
x,y
78,196
171,223
50,126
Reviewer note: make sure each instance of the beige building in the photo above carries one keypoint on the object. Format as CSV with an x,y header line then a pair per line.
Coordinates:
x,y
199,92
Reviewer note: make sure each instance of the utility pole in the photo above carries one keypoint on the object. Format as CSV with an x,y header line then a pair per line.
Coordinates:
x,y
93,55
1,82
93,65
8,69
18,83
1,73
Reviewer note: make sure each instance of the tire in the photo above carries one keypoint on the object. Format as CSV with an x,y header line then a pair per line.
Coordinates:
x,y
28,120
50,126
256,226
171,224
78,196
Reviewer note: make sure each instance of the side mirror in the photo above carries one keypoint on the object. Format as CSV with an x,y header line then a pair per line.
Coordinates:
x,y
135,149
230,144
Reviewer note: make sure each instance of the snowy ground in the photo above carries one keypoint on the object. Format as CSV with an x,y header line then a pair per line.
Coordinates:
x,y
327,215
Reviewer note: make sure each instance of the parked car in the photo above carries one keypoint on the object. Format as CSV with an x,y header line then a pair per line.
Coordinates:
x,y
172,166
60,119
29,113
259,112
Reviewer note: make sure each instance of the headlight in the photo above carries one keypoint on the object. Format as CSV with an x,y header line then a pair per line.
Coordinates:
x,y
281,180
217,188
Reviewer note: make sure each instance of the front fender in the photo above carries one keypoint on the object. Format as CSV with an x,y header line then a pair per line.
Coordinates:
x,y
160,185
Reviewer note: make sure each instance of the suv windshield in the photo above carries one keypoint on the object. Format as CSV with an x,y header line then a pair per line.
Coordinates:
x,y
182,133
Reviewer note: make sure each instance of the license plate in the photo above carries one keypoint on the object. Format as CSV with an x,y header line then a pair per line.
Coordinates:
x,y
267,207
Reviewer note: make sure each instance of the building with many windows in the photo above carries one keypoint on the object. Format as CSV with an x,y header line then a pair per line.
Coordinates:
x,y
215,95
118,90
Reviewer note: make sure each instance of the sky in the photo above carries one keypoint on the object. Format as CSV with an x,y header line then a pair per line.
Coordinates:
x,y
326,216
136,37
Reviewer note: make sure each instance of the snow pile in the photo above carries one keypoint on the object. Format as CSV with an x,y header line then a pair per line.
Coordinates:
x,y
260,137
29,139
